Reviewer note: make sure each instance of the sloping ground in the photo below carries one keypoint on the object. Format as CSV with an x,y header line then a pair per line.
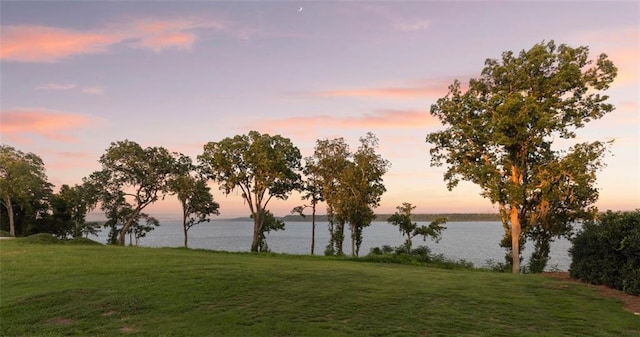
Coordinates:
x,y
631,303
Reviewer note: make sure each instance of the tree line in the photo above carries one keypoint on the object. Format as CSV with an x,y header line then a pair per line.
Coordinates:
x,y
498,133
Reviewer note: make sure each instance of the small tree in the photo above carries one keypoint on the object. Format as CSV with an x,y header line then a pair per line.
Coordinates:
x,y
501,130
260,165
312,191
194,195
410,229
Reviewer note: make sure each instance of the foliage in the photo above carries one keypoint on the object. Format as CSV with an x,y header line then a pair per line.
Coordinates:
x,y
311,188
48,239
330,159
24,189
607,251
361,187
131,178
194,195
500,134
402,219
270,223
260,165
351,185
41,238
180,292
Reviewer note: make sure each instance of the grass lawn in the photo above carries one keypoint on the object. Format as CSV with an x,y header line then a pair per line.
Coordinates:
x,y
88,290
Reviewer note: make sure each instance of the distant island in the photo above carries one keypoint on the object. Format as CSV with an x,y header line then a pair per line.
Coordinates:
x,y
454,217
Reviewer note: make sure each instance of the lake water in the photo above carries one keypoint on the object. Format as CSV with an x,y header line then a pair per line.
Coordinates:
x,y
475,242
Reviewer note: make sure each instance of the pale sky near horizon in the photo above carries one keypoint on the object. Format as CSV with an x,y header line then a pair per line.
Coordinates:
x,y
76,76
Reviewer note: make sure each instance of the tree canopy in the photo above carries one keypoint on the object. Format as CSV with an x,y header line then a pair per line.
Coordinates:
x,y
191,189
260,165
500,131
23,184
132,177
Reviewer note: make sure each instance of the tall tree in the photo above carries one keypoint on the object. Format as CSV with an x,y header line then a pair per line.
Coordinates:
x,y
410,229
23,182
134,176
260,165
331,158
360,188
312,190
500,134
194,195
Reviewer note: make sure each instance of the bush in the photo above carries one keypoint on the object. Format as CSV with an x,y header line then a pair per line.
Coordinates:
x,y
418,256
43,238
607,252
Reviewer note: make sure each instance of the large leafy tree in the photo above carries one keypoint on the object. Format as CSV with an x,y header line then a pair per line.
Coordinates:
x,y
351,185
361,187
262,166
500,131
131,177
23,184
194,195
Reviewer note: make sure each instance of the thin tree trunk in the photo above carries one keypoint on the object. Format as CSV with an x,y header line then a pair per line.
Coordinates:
x,y
184,227
313,228
12,225
353,239
516,230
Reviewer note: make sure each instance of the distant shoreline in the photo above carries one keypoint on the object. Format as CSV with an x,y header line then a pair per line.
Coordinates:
x,y
467,217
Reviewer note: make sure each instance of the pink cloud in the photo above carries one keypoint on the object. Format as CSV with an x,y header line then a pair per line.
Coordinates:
x,y
31,43
381,119
422,89
50,44
160,34
19,125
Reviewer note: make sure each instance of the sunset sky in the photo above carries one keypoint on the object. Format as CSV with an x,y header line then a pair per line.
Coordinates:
x,y
76,76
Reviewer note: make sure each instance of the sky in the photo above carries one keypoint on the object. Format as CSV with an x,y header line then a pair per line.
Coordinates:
x,y
76,76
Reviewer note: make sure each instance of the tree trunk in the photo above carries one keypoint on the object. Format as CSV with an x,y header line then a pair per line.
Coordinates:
x,y
353,239
313,228
125,228
12,225
257,224
184,227
516,230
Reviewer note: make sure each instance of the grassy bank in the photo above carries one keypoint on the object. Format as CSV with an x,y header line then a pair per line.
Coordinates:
x,y
55,290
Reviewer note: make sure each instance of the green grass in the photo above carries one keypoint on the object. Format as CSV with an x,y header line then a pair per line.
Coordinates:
x,y
91,290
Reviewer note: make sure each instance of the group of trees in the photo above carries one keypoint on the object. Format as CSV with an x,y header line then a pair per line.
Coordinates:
x,y
499,134
349,183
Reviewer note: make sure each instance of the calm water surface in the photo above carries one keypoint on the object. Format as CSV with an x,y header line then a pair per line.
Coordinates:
x,y
476,242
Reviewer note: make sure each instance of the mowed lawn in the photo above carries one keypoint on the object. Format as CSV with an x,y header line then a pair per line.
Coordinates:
x,y
61,290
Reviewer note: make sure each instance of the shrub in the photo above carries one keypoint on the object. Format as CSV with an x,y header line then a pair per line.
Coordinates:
x,y
607,251
43,238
